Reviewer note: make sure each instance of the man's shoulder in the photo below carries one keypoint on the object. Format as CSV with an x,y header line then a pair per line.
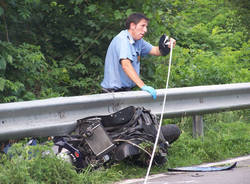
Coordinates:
x,y
120,39
122,35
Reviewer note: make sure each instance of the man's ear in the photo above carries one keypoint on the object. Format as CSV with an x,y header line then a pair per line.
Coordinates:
x,y
132,26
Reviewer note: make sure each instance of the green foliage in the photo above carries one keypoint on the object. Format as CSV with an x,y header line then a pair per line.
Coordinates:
x,y
62,45
25,74
21,71
212,46
35,164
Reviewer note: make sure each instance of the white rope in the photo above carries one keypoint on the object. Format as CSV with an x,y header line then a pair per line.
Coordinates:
x,y
162,112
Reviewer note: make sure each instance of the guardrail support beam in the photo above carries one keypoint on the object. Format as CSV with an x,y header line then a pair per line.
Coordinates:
x,y
198,126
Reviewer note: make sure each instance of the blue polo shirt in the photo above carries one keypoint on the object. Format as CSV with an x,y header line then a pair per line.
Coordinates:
x,y
123,46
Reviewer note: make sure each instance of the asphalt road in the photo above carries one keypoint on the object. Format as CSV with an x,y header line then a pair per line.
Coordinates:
x,y
238,175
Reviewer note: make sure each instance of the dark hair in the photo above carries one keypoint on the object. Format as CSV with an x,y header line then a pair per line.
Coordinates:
x,y
135,18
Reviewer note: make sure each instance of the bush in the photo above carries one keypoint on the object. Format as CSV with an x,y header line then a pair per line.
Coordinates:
x,y
35,164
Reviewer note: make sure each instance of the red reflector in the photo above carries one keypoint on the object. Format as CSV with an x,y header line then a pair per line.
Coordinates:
x,y
76,154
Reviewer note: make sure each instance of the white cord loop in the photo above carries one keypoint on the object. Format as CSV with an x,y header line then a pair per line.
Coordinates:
x,y
162,112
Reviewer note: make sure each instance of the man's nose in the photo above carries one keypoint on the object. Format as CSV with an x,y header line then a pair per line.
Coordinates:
x,y
145,29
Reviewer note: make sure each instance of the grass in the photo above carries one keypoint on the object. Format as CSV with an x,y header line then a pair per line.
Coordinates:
x,y
227,135
224,141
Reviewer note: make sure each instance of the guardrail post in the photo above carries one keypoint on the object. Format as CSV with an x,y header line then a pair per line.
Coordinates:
x,y
198,126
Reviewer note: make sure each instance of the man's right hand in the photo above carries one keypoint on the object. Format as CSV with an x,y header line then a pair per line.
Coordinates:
x,y
150,90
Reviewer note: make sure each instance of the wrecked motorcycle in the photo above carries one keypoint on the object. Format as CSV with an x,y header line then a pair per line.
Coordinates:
x,y
127,134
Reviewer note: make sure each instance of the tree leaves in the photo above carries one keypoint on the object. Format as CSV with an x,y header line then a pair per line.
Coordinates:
x,y
208,46
2,63
1,11
58,47
2,83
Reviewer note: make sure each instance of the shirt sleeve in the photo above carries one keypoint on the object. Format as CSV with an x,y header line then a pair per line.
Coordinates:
x,y
124,50
146,47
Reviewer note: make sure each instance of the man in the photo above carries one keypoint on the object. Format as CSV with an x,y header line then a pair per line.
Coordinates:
x,y
122,63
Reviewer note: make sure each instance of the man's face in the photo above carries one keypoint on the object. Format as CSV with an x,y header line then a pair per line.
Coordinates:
x,y
138,30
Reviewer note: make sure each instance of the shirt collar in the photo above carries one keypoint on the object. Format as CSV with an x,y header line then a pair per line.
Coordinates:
x,y
130,38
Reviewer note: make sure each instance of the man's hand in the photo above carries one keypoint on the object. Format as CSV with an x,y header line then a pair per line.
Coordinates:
x,y
172,41
150,90
164,44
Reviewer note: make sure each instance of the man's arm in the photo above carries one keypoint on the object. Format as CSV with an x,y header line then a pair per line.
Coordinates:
x,y
131,73
155,51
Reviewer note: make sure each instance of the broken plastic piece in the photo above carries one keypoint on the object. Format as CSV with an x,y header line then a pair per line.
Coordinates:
x,y
203,169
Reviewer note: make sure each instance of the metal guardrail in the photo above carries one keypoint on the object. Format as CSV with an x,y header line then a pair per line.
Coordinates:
x,y
57,116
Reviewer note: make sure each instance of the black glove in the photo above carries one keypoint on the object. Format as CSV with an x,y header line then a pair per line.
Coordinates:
x,y
163,45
